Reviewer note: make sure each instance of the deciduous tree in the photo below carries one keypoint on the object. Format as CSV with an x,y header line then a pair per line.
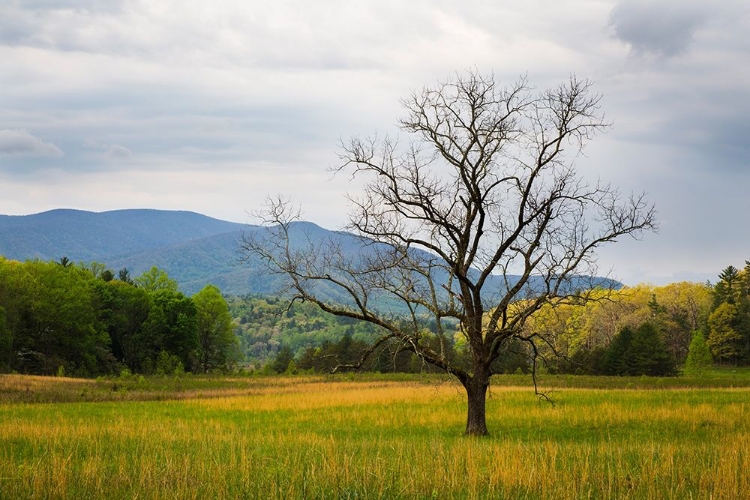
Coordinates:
x,y
217,344
724,339
155,279
481,208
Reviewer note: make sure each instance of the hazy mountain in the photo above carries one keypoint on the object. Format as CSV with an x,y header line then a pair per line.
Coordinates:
x,y
192,248
86,236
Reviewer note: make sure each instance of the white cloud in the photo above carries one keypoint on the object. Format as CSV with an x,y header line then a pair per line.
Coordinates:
x,y
115,151
111,151
22,143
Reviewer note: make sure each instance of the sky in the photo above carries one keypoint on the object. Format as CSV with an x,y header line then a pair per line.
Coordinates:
x,y
214,106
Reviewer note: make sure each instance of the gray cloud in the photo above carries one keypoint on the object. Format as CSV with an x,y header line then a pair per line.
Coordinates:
x,y
22,143
235,100
663,28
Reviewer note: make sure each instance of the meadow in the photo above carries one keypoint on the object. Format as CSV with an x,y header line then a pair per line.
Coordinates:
x,y
373,437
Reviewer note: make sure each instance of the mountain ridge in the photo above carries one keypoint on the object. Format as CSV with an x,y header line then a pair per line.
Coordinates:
x,y
194,249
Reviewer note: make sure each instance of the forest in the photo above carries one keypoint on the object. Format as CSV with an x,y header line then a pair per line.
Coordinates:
x,y
58,317
82,320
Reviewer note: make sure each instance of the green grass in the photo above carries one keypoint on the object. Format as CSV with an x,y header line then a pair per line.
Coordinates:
x,y
371,437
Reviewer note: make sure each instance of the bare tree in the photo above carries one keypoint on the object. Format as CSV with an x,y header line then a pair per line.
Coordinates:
x,y
485,190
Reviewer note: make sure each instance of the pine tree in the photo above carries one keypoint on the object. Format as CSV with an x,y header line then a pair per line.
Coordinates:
x,y
614,360
648,355
743,315
699,357
729,287
638,353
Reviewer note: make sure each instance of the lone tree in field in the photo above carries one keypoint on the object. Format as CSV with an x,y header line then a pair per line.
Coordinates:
x,y
484,191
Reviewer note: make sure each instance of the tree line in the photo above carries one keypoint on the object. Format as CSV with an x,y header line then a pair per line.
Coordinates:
x,y
83,320
640,330
648,330
60,317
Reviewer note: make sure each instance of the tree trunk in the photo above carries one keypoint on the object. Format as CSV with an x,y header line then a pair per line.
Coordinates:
x,y
476,392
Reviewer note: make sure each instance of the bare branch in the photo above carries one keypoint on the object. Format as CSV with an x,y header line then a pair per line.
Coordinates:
x,y
480,217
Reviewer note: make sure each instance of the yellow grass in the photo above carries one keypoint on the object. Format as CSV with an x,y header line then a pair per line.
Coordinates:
x,y
316,438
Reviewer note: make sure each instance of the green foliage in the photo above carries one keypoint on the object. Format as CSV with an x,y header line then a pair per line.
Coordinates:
x,y
283,358
124,309
317,340
6,343
614,361
218,346
156,279
59,317
728,289
51,319
639,352
75,317
699,358
124,276
172,327
724,339
581,329
729,321
169,364
648,354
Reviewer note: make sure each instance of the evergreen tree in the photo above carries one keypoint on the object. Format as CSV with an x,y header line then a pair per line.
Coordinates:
x,y
699,355
614,360
743,316
124,276
282,360
647,354
640,352
729,287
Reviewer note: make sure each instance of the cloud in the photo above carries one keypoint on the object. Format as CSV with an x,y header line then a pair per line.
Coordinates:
x,y
251,98
662,28
115,151
111,151
22,143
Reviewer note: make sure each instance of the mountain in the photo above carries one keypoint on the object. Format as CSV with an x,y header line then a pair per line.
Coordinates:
x,y
192,248
88,236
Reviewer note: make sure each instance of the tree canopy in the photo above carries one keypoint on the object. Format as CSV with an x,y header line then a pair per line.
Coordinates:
x,y
59,317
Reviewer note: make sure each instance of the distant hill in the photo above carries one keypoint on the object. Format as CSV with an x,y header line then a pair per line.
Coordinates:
x,y
89,236
192,248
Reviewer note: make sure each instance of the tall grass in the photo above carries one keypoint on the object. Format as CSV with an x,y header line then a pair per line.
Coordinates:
x,y
332,438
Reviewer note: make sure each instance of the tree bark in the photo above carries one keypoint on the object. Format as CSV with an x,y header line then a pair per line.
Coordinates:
x,y
476,392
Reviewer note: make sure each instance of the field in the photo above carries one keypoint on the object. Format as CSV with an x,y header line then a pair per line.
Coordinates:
x,y
372,437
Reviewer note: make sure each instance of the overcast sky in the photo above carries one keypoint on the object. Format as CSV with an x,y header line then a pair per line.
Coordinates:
x,y
213,106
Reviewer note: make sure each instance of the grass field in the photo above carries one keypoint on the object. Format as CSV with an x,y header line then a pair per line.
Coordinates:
x,y
372,437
